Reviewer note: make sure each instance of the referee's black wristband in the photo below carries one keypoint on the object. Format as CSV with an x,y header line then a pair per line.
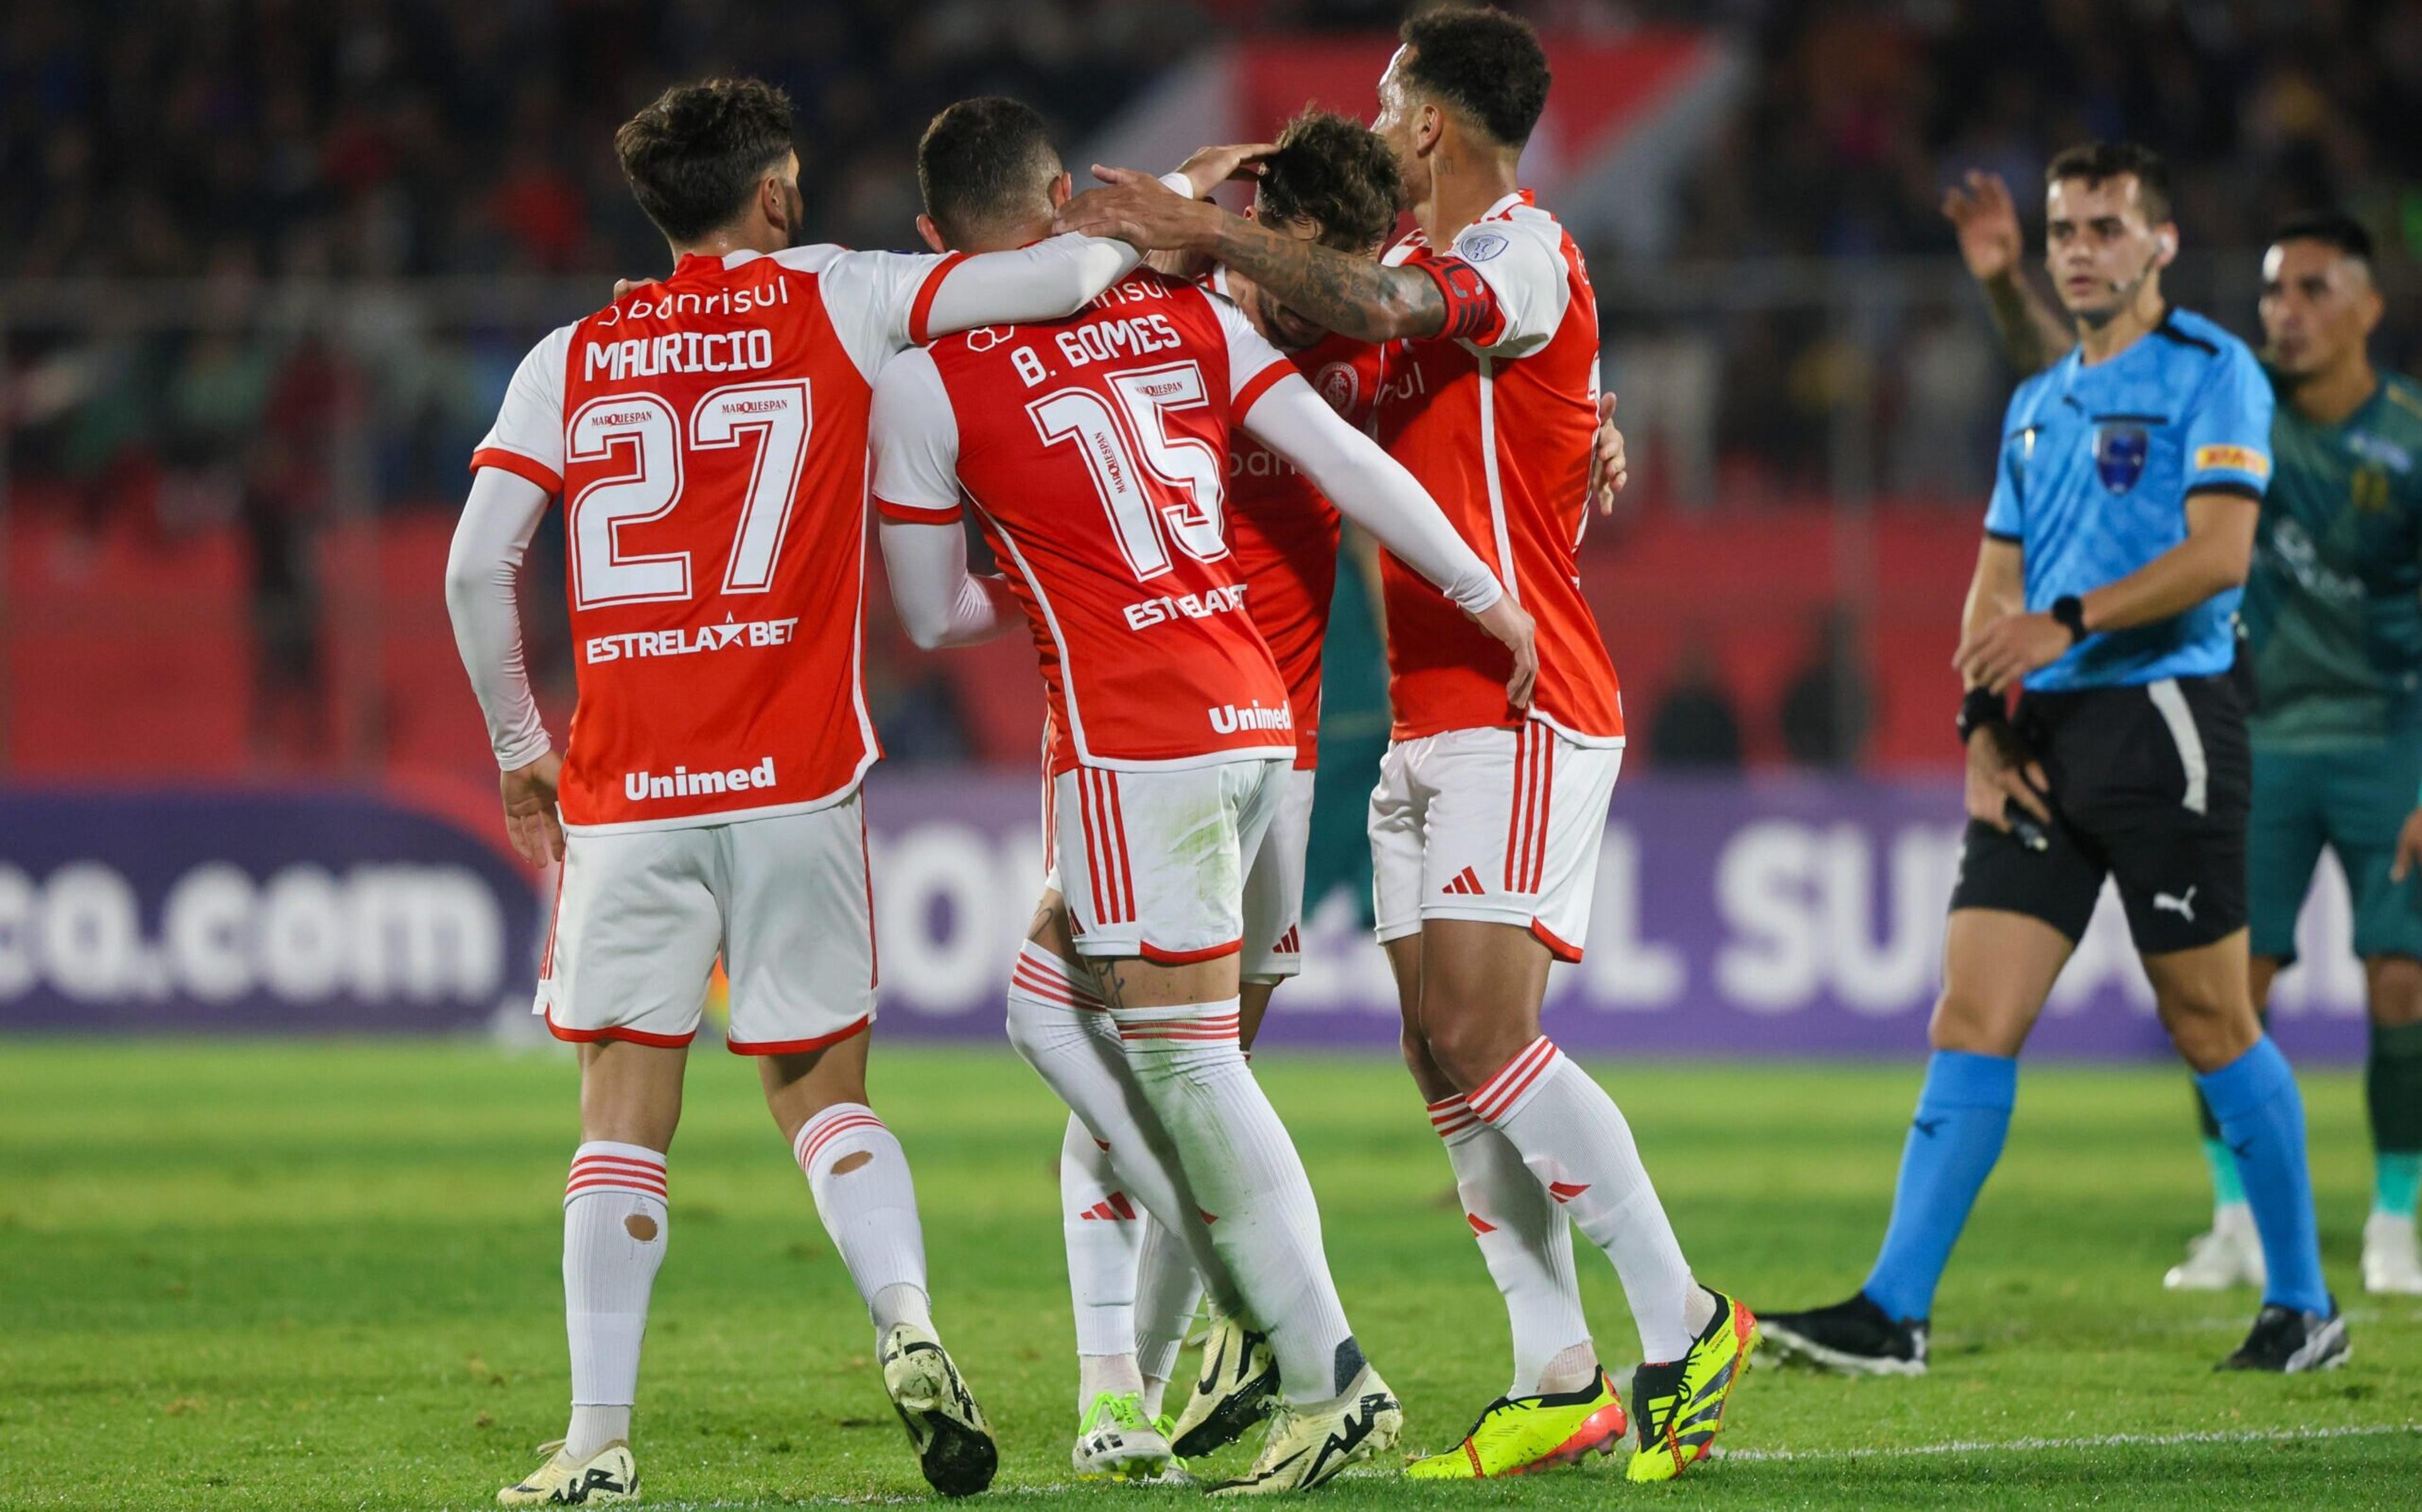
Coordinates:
x,y
2068,612
1980,707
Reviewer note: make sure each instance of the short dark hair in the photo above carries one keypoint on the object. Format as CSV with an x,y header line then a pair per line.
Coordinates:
x,y
2096,162
2331,227
1335,171
1485,63
696,153
983,160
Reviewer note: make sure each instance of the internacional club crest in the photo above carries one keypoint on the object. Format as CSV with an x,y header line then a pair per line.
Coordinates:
x,y
1340,385
2119,452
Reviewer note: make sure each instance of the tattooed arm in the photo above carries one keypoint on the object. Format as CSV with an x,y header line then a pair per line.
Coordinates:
x,y
1350,294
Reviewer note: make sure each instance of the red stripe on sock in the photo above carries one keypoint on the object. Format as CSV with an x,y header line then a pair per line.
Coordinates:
x,y
1051,990
1520,1060
582,1170
657,1164
1515,1077
816,1137
606,1183
1512,1094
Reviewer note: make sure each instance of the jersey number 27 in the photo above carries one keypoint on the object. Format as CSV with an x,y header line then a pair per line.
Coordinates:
x,y
776,415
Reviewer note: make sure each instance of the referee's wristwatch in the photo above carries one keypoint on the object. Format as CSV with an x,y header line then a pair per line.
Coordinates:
x,y
2069,610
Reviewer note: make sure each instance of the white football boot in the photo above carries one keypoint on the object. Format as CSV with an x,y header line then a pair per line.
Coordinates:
x,y
1116,1442
2230,1256
1239,1381
2392,1256
953,1444
1308,1445
605,1477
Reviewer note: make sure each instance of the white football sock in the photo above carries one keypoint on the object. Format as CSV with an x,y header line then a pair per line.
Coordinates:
x,y
1529,1249
615,1223
1102,1231
1099,1373
1057,1022
1245,1171
1578,1148
869,1208
1167,1290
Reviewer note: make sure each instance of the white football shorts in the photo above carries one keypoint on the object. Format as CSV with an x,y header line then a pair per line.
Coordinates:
x,y
786,901
1152,864
1498,825
1274,886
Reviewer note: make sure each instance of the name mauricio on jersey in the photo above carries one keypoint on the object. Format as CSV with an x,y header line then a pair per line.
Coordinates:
x,y
645,642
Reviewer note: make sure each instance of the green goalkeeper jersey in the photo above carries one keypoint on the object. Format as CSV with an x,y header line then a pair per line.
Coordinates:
x,y
2333,601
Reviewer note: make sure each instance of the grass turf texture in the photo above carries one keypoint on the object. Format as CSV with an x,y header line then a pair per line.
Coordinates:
x,y
282,1276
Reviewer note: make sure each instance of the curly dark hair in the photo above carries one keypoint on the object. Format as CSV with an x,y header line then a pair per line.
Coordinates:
x,y
2095,161
695,154
1336,173
1485,63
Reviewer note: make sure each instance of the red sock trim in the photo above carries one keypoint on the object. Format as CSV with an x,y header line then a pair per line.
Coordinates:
x,y
823,1130
1498,1094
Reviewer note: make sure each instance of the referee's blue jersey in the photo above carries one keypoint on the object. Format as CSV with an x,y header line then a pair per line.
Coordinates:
x,y
2096,463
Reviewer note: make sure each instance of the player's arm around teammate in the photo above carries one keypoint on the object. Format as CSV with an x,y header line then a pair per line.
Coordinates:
x,y
1487,818
707,805
1174,714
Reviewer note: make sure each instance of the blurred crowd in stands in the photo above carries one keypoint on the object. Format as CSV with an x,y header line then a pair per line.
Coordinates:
x,y
388,137
310,165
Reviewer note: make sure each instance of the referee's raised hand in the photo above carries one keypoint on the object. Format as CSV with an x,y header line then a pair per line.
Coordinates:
x,y
2000,774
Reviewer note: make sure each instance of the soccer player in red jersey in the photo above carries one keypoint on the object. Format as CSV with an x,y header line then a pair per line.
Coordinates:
x,y
1330,178
708,436
1171,726
1487,820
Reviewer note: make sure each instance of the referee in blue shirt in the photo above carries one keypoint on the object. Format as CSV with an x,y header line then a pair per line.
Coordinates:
x,y
2118,539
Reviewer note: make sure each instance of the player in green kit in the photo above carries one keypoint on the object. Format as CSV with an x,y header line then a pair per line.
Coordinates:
x,y
2333,611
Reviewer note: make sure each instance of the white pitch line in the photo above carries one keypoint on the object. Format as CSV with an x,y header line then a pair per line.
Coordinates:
x,y
1906,1451
2106,1441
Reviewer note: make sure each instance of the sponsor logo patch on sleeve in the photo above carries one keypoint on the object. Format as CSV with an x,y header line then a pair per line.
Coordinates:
x,y
2233,460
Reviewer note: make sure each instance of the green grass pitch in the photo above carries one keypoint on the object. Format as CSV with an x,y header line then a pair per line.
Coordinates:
x,y
281,1276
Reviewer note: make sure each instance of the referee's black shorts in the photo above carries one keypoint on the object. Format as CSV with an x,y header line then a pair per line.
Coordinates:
x,y
2150,787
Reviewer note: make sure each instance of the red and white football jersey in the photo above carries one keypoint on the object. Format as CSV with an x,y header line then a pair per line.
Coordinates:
x,y
1284,531
708,436
1094,451
1498,428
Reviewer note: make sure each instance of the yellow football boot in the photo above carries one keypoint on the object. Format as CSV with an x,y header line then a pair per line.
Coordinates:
x,y
1679,1404
1519,1435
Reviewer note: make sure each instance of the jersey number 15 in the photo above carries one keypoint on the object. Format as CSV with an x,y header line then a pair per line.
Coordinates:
x,y
1176,493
